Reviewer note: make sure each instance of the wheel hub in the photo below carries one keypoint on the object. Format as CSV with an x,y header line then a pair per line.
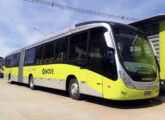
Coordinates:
x,y
31,84
74,89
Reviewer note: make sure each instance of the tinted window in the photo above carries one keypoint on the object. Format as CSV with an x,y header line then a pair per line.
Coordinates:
x,y
61,50
96,49
78,47
49,52
57,51
12,60
39,54
26,58
30,56
16,58
64,49
8,61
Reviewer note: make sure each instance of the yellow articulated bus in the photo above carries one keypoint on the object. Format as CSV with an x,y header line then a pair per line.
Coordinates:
x,y
104,59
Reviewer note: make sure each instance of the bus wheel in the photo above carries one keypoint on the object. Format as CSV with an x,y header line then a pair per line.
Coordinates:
x,y
9,78
74,89
31,83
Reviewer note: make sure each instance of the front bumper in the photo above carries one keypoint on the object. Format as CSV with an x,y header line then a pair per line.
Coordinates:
x,y
119,91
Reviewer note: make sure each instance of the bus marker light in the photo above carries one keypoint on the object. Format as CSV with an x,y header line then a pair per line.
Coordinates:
x,y
109,86
99,83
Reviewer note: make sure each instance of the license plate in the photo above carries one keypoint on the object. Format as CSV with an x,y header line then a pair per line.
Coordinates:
x,y
146,93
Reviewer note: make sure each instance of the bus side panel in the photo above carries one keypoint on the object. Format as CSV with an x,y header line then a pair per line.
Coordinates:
x,y
51,75
6,72
94,84
162,50
14,73
55,75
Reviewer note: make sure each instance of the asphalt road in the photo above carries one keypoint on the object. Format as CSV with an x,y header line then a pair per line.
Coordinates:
x,y
18,102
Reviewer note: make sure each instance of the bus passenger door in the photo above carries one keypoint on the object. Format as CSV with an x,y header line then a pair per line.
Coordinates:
x,y
94,84
78,58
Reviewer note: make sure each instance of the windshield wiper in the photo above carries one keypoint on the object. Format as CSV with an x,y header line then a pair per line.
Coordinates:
x,y
146,69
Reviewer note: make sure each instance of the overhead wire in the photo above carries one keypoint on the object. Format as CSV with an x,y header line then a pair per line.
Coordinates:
x,y
83,11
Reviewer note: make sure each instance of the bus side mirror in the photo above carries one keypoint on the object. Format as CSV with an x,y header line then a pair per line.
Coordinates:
x,y
108,39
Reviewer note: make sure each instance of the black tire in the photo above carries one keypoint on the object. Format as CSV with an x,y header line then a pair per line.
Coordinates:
x,y
9,78
74,90
31,83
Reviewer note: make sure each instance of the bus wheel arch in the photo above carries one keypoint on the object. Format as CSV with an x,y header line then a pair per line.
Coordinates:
x,y
68,81
30,75
73,87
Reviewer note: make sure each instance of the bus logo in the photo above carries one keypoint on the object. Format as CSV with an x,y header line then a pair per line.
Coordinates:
x,y
47,71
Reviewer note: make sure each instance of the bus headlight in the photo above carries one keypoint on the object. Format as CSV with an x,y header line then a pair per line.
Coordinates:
x,y
126,80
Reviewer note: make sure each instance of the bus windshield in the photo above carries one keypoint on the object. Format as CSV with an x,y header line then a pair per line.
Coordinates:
x,y
135,54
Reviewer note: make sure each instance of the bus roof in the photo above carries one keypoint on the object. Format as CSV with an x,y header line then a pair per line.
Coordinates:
x,y
156,18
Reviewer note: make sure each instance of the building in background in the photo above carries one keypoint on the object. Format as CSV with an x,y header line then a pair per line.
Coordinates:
x,y
1,66
154,27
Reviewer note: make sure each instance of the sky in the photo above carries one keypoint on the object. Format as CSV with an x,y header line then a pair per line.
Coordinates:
x,y
19,18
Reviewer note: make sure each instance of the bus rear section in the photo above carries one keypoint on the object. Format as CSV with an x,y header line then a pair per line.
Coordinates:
x,y
11,70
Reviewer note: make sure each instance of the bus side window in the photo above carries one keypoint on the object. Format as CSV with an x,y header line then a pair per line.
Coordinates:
x,y
49,53
64,49
57,51
39,55
61,50
18,58
12,60
78,48
29,56
26,58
